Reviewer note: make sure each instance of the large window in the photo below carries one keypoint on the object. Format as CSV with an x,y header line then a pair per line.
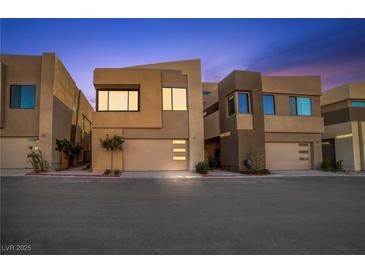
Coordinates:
x,y
243,105
358,103
174,99
231,105
300,106
118,100
269,104
22,96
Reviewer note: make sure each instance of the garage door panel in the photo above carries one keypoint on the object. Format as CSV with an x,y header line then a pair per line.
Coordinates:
x,y
153,155
288,156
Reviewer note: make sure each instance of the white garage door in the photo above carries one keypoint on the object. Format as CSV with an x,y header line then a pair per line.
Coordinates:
x,y
154,155
288,156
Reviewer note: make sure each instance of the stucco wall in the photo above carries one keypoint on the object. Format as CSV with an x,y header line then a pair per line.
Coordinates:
x,y
21,70
192,68
101,158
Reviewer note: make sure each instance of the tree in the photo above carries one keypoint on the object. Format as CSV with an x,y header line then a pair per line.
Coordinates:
x,y
63,146
69,149
112,144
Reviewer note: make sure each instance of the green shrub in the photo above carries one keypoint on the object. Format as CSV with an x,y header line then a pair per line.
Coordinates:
x,y
117,172
202,167
326,165
107,172
252,171
339,165
37,162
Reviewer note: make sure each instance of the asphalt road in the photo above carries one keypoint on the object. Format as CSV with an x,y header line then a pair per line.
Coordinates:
x,y
304,215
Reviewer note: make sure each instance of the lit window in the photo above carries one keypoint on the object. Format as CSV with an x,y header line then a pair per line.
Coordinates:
x,y
179,158
300,106
243,103
22,96
231,105
178,142
358,103
174,99
118,100
179,150
268,104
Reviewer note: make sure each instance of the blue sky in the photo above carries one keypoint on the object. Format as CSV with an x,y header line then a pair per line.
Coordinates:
x,y
332,48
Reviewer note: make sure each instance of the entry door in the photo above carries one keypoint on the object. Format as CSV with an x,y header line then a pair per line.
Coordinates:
x,y
328,150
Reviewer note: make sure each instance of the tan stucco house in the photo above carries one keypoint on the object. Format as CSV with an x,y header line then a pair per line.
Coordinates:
x,y
273,120
40,103
157,109
343,110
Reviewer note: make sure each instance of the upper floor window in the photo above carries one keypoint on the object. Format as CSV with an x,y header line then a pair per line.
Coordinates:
x,y
358,103
269,104
300,106
22,96
174,99
206,92
243,105
118,100
231,105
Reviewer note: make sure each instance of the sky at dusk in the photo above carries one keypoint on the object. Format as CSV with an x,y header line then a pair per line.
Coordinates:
x,y
332,48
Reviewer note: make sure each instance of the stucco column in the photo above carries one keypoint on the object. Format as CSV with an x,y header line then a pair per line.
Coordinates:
x,y
46,106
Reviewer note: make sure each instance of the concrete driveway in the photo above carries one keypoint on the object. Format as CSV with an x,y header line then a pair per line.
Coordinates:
x,y
266,215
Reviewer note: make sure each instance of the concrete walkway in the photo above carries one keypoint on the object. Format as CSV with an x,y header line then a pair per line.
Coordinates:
x,y
79,172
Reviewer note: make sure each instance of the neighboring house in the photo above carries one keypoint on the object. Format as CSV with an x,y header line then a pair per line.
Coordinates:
x,y
343,110
273,120
40,102
157,109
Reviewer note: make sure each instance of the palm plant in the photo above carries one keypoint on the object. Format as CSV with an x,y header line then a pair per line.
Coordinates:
x,y
112,144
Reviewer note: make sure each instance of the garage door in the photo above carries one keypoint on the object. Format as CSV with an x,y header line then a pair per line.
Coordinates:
x,y
154,155
14,152
286,156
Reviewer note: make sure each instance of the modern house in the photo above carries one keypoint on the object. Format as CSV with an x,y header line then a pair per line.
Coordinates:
x,y
157,109
343,110
274,121
40,103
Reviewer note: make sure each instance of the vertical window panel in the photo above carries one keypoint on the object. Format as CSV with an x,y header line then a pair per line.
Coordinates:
x,y
179,99
304,107
292,105
133,101
231,105
242,102
166,99
269,104
15,97
27,96
102,100
118,100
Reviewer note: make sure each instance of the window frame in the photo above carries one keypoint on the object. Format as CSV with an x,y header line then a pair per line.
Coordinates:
x,y
357,101
128,90
296,105
263,104
20,97
172,99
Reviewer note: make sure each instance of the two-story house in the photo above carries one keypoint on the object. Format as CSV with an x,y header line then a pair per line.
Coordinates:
x,y
156,109
40,103
274,121
343,110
